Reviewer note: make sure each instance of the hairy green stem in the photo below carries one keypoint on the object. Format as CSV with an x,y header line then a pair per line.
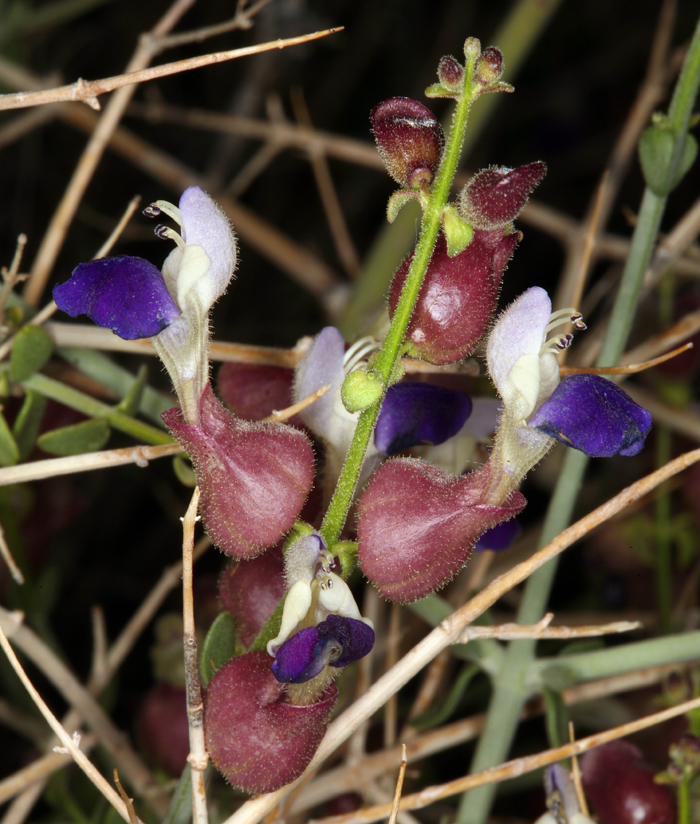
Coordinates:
x,y
516,36
386,360
501,722
50,388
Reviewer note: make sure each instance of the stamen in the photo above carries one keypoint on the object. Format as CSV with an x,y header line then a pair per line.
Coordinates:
x,y
166,208
559,318
165,233
358,352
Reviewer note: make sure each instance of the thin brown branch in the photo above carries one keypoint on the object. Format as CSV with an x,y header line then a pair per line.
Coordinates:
x,y
509,769
69,744
348,777
344,246
92,154
113,739
87,91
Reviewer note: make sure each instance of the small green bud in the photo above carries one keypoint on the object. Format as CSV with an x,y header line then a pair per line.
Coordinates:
x,y
472,49
458,232
656,148
360,390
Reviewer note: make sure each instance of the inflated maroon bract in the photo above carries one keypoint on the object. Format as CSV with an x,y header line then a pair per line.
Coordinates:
x,y
255,738
253,477
458,296
417,525
496,196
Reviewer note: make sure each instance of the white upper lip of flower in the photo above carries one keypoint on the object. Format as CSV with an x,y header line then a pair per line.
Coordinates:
x,y
524,370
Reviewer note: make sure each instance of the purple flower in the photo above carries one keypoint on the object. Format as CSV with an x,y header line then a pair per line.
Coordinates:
x,y
416,413
593,415
321,625
335,642
412,413
585,411
134,299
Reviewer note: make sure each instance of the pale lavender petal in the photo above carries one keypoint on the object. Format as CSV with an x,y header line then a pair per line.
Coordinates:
x,y
593,415
205,224
415,413
125,294
321,365
518,331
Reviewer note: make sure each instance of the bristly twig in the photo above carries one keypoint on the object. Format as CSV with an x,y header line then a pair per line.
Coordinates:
x,y
198,757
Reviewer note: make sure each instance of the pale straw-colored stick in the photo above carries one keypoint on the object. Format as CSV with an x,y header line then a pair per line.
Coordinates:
x,y
509,769
66,740
108,734
107,458
198,757
87,91
452,628
92,154
351,776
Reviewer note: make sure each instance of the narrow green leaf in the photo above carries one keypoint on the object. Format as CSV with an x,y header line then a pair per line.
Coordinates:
x,y
86,436
219,646
184,472
27,423
556,718
439,714
9,451
33,347
131,402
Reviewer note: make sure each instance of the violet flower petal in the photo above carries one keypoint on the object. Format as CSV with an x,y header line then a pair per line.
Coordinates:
x,y
125,294
500,536
415,413
356,637
593,415
337,641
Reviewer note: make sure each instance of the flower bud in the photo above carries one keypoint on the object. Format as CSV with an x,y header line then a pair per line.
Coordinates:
x,y
361,389
489,67
450,73
255,738
253,477
620,785
417,525
410,141
250,591
457,298
496,196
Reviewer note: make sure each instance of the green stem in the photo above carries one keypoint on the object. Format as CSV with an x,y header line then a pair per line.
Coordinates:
x,y
386,360
81,402
684,801
604,663
503,713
